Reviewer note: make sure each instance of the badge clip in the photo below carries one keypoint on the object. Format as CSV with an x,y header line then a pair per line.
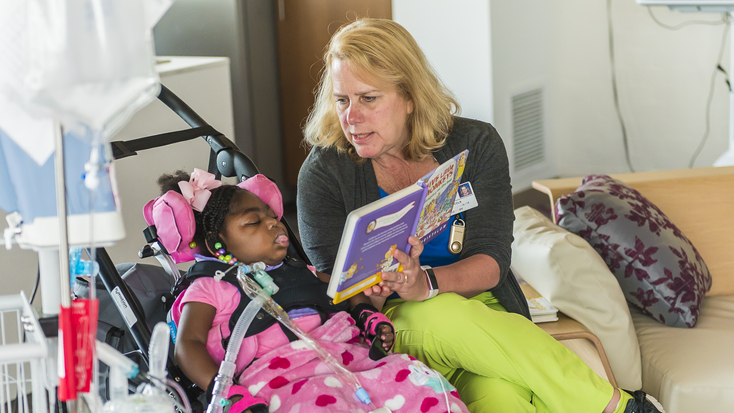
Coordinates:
x,y
456,237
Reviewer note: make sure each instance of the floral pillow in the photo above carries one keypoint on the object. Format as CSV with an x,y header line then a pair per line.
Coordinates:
x,y
658,268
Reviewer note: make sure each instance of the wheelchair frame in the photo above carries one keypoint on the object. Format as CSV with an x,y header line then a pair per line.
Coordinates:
x,y
225,159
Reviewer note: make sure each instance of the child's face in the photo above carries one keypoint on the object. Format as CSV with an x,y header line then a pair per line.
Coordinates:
x,y
252,232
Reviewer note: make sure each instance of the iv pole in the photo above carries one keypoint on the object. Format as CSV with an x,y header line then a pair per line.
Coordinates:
x,y
67,390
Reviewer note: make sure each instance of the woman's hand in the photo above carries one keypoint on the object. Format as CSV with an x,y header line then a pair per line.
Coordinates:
x,y
411,283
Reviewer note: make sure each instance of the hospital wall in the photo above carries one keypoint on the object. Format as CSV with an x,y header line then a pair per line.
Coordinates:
x,y
663,77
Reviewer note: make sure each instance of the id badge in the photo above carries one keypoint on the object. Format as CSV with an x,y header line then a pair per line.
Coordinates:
x,y
465,199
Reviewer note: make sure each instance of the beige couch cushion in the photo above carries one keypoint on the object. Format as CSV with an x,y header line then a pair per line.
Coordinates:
x,y
565,269
690,370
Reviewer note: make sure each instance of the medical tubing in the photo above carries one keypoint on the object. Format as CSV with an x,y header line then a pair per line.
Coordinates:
x,y
158,353
276,311
445,392
91,182
238,334
186,407
167,260
223,379
266,282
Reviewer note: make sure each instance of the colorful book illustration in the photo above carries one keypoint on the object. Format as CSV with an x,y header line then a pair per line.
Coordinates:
x,y
443,184
372,232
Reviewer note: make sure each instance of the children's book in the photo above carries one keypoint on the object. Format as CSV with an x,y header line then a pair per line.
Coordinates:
x,y
372,232
443,184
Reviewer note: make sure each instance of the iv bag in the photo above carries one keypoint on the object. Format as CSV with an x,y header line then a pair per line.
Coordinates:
x,y
91,62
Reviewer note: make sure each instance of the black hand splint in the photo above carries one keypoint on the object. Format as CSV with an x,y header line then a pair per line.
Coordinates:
x,y
369,320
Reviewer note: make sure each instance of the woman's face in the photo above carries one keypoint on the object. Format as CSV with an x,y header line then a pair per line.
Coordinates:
x,y
252,232
373,117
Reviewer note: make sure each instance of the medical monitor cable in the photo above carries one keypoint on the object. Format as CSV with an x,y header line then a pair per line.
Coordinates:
x,y
35,287
711,92
614,87
724,20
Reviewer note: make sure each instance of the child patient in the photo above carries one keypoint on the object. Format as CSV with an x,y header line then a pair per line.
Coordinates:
x,y
221,225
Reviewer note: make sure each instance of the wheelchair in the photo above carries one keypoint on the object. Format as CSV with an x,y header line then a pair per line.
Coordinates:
x,y
144,290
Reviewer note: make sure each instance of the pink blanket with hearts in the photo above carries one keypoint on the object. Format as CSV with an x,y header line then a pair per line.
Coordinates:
x,y
292,379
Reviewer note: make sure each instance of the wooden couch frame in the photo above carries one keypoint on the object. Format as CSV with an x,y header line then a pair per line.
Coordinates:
x,y
700,201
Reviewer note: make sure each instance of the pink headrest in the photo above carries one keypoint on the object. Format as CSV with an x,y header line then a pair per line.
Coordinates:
x,y
173,216
266,190
174,221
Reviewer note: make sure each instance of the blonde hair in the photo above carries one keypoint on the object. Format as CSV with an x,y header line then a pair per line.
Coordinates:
x,y
383,50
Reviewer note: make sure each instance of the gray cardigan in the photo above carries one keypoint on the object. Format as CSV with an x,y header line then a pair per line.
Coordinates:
x,y
330,185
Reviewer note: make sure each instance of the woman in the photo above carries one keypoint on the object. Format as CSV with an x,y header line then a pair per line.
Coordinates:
x,y
381,120
465,191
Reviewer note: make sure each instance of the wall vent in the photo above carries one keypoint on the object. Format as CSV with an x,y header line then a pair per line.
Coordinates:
x,y
527,129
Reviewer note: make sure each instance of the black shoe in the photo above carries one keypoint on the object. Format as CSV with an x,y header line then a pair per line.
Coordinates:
x,y
640,403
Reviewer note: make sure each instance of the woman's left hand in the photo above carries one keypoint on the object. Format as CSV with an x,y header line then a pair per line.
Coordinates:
x,y
411,283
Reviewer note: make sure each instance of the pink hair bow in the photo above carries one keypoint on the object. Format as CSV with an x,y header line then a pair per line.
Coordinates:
x,y
197,190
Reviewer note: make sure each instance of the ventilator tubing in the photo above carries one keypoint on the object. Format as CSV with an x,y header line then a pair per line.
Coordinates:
x,y
223,380
158,357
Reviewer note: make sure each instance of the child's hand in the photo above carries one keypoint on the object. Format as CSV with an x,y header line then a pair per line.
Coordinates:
x,y
377,290
387,335
374,326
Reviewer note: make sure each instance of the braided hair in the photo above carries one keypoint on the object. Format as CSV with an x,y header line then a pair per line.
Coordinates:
x,y
209,222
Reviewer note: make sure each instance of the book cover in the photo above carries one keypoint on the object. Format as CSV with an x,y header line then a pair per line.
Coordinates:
x,y
443,184
539,306
370,236
541,310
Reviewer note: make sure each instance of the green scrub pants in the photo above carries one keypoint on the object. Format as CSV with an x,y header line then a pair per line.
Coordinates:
x,y
499,362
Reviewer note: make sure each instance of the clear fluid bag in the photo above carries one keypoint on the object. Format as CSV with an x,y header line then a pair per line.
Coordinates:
x,y
92,61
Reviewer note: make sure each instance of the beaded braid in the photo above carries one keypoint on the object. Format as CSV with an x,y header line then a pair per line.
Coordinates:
x,y
214,213
209,221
